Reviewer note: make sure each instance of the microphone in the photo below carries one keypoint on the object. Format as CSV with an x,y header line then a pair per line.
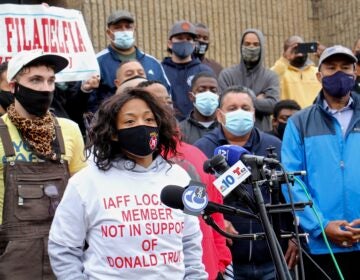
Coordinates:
x,y
191,199
229,177
175,197
216,165
233,153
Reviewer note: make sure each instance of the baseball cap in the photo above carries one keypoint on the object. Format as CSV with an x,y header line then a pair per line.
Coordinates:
x,y
24,58
182,26
120,15
337,49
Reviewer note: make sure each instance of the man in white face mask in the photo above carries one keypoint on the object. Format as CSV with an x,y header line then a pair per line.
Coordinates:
x,y
204,94
121,33
251,259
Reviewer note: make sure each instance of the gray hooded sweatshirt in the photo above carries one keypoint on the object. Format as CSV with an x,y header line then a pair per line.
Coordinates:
x,y
257,78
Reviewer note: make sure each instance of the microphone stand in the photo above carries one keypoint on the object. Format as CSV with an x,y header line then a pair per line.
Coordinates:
x,y
275,250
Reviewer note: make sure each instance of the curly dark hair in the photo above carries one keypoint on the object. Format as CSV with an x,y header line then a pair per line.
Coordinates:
x,y
103,129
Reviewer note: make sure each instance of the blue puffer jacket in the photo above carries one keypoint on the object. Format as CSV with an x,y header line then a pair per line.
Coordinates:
x,y
180,76
109,62
313,141
244,251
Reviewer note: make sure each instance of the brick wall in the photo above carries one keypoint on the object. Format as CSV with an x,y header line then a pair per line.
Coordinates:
x,y
328,21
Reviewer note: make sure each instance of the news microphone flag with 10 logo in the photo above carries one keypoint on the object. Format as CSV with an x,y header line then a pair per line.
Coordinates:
x,y
233,177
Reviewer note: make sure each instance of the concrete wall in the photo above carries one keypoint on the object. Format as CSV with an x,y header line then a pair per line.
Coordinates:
x,y
340,22
327,21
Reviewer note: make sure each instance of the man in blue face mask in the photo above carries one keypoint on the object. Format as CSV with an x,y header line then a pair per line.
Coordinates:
x,y
324,141
205,96
182,66
251,259
121,34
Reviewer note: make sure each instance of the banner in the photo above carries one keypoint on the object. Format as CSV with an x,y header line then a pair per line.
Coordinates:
x,y
52,29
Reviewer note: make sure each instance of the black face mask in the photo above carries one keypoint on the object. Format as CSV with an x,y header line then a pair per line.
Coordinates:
x,y
6,98
35,102
299,61
139,140
200,49
281,129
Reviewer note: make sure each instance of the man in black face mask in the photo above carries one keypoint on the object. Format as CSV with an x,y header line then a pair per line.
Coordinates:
x,y
181,66
39,152
202,42
297,74
323,140
283,110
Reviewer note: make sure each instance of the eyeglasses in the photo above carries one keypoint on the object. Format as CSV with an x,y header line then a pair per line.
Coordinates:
x,y
51,191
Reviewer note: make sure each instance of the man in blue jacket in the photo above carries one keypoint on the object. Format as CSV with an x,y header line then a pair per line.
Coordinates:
x,y
182,66
236,114
120,31
324,141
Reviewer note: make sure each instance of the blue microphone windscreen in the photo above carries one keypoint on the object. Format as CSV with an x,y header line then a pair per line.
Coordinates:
x,y
232,153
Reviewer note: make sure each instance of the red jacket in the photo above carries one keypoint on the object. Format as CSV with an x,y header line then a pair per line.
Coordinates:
x,y
216,255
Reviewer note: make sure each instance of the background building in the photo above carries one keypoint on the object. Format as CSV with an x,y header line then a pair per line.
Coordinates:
x,y
327,21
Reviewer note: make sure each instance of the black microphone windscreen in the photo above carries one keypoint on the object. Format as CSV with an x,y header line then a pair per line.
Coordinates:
x,y
219,164
171,196
207,167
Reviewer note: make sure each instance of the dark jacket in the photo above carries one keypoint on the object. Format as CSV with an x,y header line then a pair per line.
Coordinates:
x,y
214,65
244,251
257,78
70,102
192,130
109,62
180,76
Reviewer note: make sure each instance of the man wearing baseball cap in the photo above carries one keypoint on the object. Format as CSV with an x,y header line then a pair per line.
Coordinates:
x,y
120,31
323,140
182,66
38,154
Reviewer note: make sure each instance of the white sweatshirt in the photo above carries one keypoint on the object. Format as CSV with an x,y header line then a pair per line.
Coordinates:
x,y
131,235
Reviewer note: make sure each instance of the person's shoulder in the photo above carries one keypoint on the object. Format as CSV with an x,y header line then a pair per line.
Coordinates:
x,y
6,119
205,68
209,140
303,113
149,58
269,137
188,149
213,62
100,55
66,122
270,73
86,175
184,123
233,69
11,127
68,127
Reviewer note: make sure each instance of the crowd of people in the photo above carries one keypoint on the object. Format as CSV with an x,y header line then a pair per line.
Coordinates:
x,y
84,162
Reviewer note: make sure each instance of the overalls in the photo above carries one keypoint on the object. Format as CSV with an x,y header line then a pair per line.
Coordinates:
x,y
32,192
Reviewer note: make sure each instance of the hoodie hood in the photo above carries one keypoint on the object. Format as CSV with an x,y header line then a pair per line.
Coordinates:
x,y
129,165
260,35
